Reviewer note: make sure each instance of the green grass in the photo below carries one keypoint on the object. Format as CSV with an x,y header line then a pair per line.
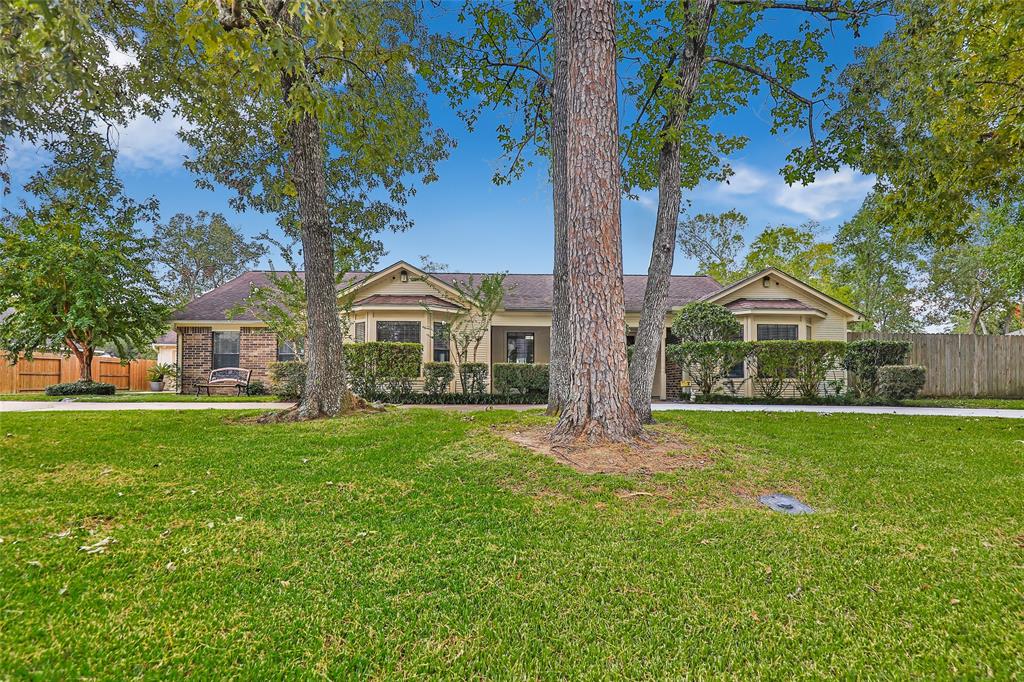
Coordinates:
x,y
998,403
420,543
143,398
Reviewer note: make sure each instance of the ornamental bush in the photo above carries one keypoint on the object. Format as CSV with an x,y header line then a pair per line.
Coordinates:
x,y
375,367
461,399
901,382
704,322
521,378
814,360
775,363
863,358
708,363
473,377
804,363
81,388
437,377
288,379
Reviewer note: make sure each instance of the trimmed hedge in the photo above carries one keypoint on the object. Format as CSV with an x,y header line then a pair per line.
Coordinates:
x,y
375,367
863,358
901,382
437,377
288,379
473,377
707,363
805,364
81,388
521,378
459,399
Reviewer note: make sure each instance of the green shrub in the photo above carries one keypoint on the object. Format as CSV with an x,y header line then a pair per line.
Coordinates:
x,y
81,388
520,378
805,363
288,379
708,363
863,358
901,382
775,363
473,376
158,371
460,399
814,360
376,367
256,387
437,377
705,322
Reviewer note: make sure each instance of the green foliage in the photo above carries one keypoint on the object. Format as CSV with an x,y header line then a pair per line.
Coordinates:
x,y
775,363
715,241
520,378
74,266
256,387
901,382
437,377
288,379
202,252
708,362
863,358
81,388
473,377
158,371
699,322
377,367
461,398
804,364
281,304
797,252
933,112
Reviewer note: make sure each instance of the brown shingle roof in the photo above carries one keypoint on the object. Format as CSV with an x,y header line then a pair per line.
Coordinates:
x,y
768,304
525,292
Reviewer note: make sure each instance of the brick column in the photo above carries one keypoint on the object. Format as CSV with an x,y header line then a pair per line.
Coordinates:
x,y
673,375
258,348
196,356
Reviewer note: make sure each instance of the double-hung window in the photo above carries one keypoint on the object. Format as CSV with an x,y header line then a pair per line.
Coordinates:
x,y
403,332
520,347
360,332
286,351
442,352
226,349
777,332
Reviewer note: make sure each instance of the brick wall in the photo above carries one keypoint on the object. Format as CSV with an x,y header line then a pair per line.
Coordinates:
x,y
258,348
196,356
673,375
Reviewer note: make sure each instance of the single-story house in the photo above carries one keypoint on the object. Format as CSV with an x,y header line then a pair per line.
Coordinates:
x,y
403,303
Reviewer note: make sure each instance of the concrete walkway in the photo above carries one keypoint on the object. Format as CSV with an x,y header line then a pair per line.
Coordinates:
x,y
847,409
46,406
82,406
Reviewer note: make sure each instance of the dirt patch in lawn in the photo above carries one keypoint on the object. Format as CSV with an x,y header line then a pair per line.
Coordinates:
x,y
664,451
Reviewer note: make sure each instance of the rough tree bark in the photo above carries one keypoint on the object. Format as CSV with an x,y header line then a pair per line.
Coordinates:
x,y
597,407
651,332
84,355
326,393
558,383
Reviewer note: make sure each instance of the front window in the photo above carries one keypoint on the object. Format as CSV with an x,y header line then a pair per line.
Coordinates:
x,y
403,332
777,332
520,347
225,349
441,349
360,332
286,351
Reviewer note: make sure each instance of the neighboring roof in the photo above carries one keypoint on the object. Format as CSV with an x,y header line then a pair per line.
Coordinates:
x,y
168,339
525,292
410,300
775,272
769,304
1019,332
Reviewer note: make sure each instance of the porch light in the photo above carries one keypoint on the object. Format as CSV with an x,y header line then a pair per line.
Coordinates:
x,y
766,281
404,276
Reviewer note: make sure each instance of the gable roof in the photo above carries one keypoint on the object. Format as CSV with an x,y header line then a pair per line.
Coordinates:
x,y
770,304
526,292
789,279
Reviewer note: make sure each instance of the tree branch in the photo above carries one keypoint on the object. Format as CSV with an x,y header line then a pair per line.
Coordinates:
x,y
764,75
834,8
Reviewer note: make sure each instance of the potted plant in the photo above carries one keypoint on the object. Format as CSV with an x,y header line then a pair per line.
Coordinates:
x,y
156,375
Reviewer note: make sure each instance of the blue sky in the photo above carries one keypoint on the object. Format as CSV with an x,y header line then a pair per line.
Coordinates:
x,y
466,221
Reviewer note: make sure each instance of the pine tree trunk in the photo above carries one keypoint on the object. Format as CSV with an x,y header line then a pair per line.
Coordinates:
x,y
597,407
651,333
326,393
558,384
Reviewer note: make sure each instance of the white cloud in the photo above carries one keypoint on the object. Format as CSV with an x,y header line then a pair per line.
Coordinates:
x,y
743,181
647,200
827,197
148,144
118,57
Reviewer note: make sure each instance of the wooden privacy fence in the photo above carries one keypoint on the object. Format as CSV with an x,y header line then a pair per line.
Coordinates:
x,y
33,376
964,364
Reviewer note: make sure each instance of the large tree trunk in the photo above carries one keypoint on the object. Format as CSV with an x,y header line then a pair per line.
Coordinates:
x,y
326,393
597,407
651,333
558,384
84,354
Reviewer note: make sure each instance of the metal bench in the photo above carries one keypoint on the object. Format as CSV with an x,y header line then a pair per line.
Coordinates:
x,y
226,377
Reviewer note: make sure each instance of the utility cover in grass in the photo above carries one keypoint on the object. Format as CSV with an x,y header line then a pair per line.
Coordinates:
x,y
785,504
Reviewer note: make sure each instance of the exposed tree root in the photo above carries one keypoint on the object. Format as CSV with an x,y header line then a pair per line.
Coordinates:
x,y
295,413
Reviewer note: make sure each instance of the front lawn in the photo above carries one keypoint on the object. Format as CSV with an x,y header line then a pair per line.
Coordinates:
x,y
420,543
143,397
996,403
